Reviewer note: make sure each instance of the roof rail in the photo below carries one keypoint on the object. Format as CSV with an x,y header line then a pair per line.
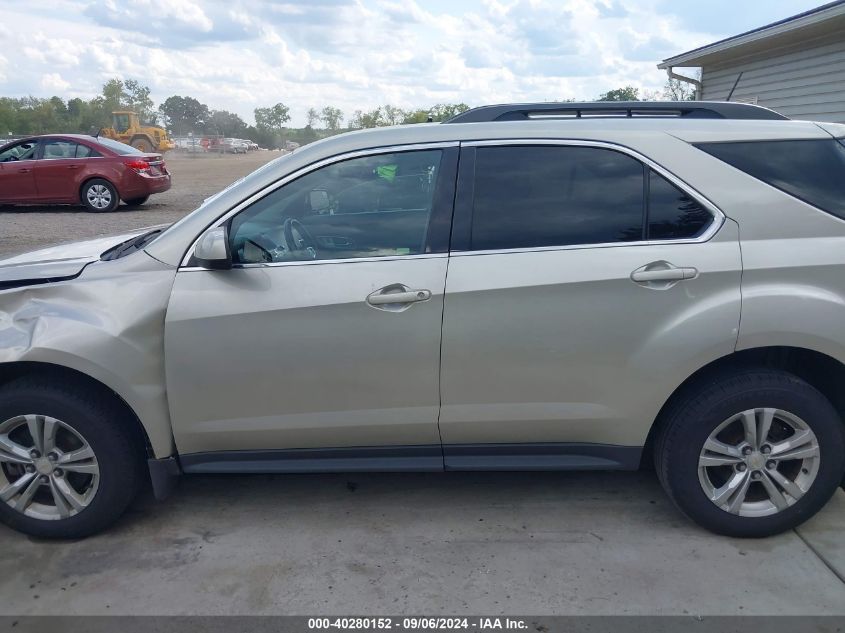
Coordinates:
x,y
615,109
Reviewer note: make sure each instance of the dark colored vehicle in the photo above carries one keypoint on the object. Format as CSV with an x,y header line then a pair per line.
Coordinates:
x,y
73,169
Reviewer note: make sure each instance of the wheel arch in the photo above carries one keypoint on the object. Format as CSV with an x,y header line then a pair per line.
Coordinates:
x,y
19,369
824,372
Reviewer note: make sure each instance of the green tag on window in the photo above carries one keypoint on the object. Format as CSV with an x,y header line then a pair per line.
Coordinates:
x,y
388,172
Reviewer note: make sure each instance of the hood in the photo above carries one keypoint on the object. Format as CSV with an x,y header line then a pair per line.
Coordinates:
x,y
57,263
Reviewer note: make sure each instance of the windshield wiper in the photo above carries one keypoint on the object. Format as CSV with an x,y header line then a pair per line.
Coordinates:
x,y
130,246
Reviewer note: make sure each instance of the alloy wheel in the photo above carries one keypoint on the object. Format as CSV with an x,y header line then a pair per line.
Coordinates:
x,y
99,196
47,469
759,462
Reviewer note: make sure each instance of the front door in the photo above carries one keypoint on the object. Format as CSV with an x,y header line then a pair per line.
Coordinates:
x,y
584,287
17,176
326,332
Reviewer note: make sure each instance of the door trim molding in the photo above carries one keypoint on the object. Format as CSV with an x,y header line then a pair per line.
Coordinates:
x,y
423,458
541,456
427,457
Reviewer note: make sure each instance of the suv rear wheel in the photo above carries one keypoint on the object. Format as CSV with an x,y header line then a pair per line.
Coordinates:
x,y
68,466
751,454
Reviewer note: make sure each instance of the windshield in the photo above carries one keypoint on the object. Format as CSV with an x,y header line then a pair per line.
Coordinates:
x,y
117,147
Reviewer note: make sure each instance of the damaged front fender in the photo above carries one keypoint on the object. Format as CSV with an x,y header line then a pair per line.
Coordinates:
x,y
107,322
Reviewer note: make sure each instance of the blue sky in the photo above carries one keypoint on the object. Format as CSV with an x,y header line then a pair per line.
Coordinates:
x,y
356,54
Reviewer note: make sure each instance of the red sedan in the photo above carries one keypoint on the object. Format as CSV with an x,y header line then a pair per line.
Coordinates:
x,y
73,169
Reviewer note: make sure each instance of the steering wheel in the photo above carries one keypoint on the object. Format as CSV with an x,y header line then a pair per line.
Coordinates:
x,y
262,248
305,242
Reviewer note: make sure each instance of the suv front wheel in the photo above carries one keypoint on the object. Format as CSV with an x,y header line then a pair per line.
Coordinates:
x,y
68,464
751,454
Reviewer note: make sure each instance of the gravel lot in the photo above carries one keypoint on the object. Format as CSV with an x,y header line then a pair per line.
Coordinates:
x,y
195,177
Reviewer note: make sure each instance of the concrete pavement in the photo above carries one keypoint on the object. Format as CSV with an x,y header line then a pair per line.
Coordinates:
x,y
454,543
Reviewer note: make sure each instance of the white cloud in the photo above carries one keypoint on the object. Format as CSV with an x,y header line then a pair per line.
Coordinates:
x,y
53,82
183,11
175,13
355,54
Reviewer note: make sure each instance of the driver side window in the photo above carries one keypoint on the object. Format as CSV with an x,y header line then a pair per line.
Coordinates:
x,y
25,150
371,206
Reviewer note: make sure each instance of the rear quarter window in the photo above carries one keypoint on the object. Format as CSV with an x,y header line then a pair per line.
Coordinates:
x,y
812,170
673,214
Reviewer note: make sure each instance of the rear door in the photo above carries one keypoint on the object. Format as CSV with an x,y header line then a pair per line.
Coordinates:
x,y
57,174
326,333
17,175
584,285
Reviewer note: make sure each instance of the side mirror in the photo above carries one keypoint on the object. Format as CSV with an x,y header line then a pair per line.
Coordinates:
x,y
212,250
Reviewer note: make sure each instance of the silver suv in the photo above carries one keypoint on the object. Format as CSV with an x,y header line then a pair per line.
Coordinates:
x,y
525,287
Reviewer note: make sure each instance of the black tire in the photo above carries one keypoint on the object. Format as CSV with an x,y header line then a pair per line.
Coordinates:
x,y
119,456
142,145
136,202
99,196
692,418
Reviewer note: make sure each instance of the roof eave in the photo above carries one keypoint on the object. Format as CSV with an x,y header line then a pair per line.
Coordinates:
x,y
779,28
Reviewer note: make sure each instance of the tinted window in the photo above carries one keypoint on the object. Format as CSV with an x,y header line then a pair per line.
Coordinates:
x,y
813,171
371,206
672,214
555,196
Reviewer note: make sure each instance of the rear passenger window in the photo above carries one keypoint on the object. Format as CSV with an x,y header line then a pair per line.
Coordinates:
x,y
672,214
813,171
59,149
534,196
68,149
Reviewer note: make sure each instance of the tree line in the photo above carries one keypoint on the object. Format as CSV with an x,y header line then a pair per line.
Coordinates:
x,y
182,115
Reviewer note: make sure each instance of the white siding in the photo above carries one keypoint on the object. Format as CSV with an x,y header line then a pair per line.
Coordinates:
x,y
804,81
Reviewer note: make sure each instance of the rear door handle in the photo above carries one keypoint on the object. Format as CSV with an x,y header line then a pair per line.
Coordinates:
x,y
662,271
73,166
397,297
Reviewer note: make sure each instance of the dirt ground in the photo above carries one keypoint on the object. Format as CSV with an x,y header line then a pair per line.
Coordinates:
x,y
195,177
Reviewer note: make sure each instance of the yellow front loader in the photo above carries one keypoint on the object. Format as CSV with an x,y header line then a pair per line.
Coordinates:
x,y
127,128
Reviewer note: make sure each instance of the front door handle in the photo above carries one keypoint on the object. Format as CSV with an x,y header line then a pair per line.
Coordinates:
x,y
397,297
662,274
24,170
411,296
